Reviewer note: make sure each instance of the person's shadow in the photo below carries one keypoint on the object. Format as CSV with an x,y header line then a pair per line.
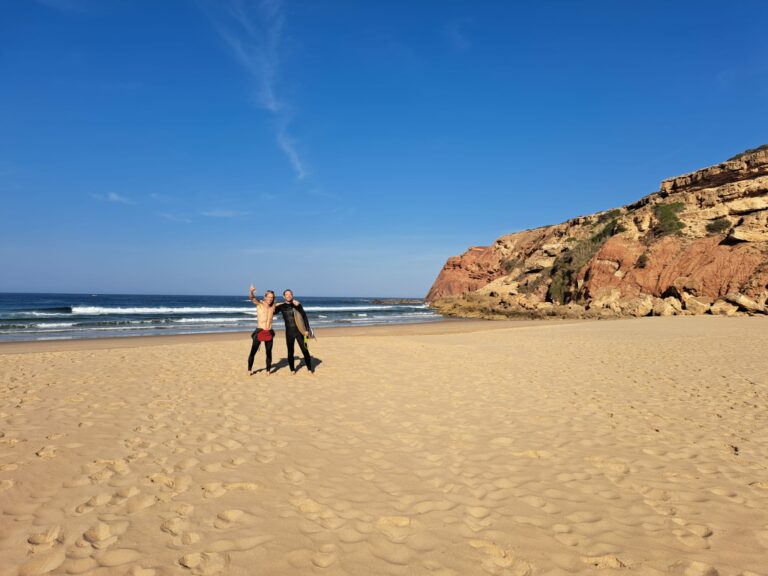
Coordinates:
x,y
283,363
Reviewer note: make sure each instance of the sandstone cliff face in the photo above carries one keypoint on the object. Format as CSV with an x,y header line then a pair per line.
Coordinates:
x,y
699,245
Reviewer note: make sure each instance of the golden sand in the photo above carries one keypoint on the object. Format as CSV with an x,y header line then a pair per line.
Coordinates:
x,y
630,446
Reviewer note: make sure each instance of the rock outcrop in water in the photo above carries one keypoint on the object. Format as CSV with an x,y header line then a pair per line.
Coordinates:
x,y
698,245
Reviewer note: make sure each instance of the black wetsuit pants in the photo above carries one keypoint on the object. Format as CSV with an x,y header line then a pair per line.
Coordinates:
x,y
255,348
290,339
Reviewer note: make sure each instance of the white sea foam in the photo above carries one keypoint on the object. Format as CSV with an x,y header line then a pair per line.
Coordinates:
x,y
33,314
356,308
99,310
210,320
53,325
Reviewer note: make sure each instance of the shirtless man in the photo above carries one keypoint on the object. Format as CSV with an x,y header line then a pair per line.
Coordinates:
x,y
265,312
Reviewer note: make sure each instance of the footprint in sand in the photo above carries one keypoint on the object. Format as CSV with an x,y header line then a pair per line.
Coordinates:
x,y
177,527
762,536
693,535
538,502
241,544
93,502
187,464
100,536
43,541
535,454
46,452
174,526
293,475
499,560
395,528
325,556
603,562
43,563
390,552
696,568
228,518
173,485
218,489
477,518
140,502
117,557
139,571
205,563
234,462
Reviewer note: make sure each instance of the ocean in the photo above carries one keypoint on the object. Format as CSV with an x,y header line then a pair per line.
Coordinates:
x,y
25,317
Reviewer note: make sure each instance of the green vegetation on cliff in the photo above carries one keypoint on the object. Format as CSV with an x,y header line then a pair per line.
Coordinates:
x,y
740,155
568,264
667,221
718,226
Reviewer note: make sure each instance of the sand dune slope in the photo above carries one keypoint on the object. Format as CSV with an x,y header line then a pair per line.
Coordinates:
x,y
616,447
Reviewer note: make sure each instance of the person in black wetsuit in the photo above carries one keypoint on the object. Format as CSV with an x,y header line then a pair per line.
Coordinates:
x,y
292,333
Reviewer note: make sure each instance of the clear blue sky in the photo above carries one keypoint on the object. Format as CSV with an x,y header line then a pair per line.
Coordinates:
x,y
345,148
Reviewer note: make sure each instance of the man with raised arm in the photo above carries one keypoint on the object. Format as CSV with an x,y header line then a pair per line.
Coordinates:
x,y
265,312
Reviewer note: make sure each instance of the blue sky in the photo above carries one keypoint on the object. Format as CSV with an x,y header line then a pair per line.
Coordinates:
x,y
345,148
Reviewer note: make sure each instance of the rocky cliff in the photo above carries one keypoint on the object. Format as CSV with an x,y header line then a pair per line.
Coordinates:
x,y
698,245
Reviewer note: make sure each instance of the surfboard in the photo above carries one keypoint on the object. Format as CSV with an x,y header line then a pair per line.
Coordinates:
x,y
300,323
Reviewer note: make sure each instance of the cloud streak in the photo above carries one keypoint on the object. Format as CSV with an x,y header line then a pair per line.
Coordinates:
x,y
253,33
176,218
113,197
63,5
223,213
456,34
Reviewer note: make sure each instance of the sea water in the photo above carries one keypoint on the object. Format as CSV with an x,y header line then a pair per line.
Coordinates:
x,y
75,316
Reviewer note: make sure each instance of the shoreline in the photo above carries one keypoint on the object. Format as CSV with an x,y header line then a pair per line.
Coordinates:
x,y
445,326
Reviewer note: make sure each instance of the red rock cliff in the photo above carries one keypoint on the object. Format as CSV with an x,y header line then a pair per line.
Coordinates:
x,y
698,245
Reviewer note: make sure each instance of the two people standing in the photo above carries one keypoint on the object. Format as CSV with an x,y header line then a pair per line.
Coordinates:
x,y
297,328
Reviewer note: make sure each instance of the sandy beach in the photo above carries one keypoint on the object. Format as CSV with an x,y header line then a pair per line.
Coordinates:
x,y
457,448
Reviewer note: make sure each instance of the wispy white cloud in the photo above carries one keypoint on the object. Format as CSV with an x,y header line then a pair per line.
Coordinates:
x,y
740,75
322,194
288,146
223,213
161,197
176,218
121,86
112,197
253,32
64,5
258,250
455,32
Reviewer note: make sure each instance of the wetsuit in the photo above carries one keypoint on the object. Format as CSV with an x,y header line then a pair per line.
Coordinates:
x,y
292,333
255,348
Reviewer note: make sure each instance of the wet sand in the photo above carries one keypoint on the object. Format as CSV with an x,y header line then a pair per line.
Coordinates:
x,y
455,448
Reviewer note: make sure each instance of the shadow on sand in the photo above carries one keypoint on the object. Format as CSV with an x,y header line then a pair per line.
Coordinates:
x,y
283,363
